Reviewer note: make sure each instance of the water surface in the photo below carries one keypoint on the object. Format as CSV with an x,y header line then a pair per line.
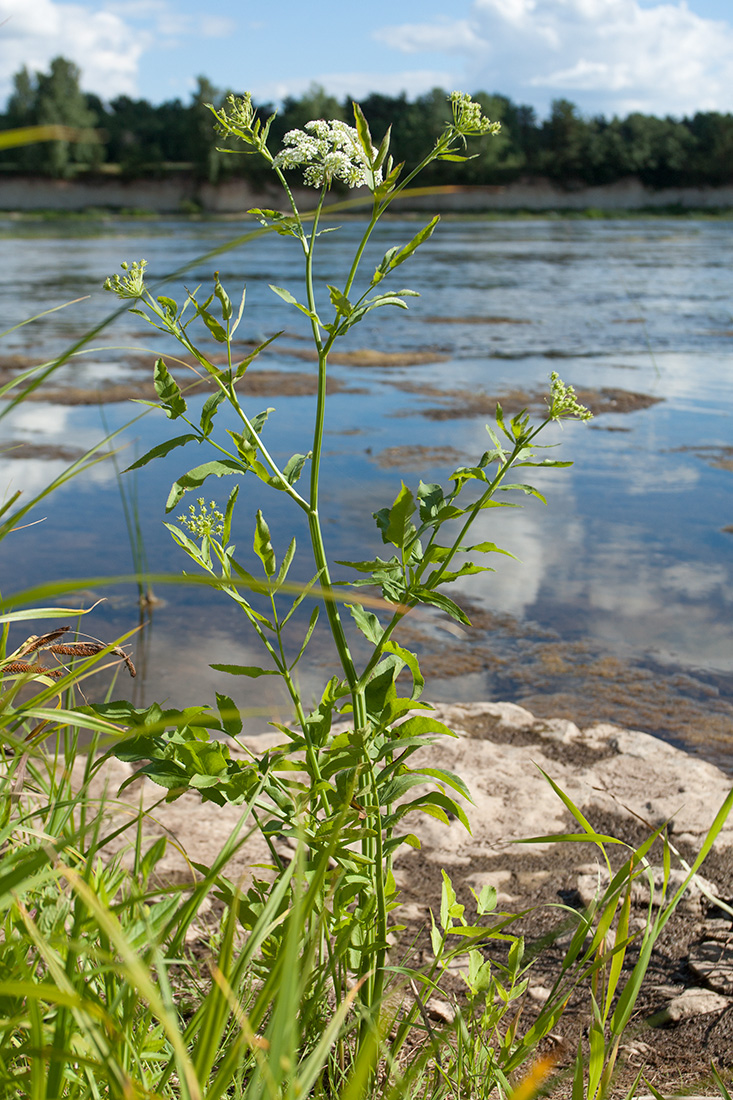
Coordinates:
x,y
620,607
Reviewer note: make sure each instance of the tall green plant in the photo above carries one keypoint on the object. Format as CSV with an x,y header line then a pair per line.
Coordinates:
x,y
361,782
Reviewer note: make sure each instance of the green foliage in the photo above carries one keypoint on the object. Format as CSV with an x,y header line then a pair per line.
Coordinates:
x,y
151,140
53,98
344,780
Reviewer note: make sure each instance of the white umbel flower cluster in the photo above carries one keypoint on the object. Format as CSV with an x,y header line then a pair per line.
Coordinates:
x,y
327,151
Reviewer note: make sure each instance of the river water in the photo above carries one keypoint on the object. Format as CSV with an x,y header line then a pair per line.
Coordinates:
x,y
620,606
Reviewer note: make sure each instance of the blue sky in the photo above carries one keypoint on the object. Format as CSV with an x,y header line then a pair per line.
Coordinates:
x,y
608,56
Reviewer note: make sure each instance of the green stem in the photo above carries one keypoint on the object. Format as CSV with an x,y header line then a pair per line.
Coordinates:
x,y
379,648
319,549
376,212
291,200
375,979
520,446
372,844
276,471
379,209
281,664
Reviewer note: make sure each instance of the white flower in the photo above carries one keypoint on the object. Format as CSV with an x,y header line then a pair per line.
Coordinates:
x,y
328,151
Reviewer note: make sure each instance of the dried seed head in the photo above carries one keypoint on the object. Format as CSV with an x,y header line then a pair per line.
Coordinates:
x,y
16,668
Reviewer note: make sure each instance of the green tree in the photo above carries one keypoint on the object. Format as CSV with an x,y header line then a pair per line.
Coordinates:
x,y
713,159
315,103
660,149
21,111
54,98
204,142
59,100
565,138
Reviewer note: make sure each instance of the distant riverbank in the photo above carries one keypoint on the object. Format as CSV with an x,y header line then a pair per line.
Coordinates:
x,y
182,193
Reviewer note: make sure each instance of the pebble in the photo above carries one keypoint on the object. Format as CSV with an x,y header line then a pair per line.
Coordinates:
x,y
694,1001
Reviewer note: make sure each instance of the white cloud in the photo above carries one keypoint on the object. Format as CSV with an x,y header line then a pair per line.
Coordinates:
x,y
613,56
101,43
107,44
217,26
413,82
419,37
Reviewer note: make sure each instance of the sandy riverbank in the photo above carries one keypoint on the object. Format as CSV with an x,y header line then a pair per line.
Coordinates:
x,y
182,193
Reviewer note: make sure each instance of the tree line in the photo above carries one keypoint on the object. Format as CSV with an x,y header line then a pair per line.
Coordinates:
x,y
139,139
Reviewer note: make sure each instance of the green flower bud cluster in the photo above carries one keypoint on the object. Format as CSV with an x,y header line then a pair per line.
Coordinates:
x,y
130,285
203,522
563,402
238,119
468,116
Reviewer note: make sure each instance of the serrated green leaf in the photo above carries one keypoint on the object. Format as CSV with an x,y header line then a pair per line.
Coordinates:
x,y
294,467
436,939
394,523
340,302
383,149
438,599
377,565
468,473
228,513
410,659
450,909
367,622
246,450
449,778
430,497
447,577
168,304
288,297
385,265
161,450
196,477
168,391
487,900
211,404
212,325
257,423
495,440
490,548
284,294
385,300
414,244
187,544
308,634
242,367
285,565
263,546
229,714
224,299
528,489
362,130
